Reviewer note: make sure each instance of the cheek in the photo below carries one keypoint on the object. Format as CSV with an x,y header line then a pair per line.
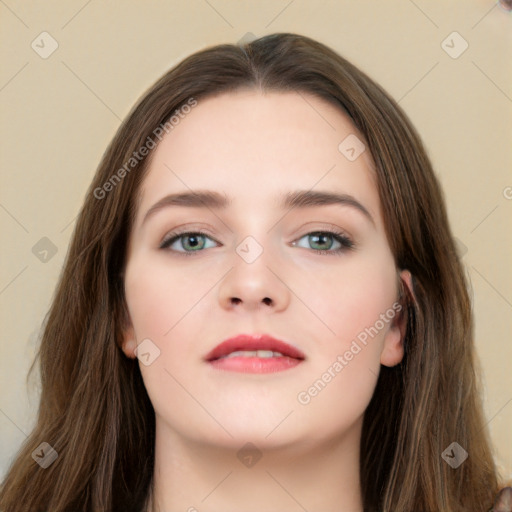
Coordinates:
x,y
357,312
157,296
345,368
162,302
148,304
353,298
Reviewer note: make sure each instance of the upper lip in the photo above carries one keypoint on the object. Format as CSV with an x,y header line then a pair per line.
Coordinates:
x,y
253,342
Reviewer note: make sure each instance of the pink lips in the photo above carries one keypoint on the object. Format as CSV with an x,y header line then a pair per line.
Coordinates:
x,y
288,356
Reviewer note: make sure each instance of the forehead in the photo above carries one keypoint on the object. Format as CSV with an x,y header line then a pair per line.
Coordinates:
x,y
253,146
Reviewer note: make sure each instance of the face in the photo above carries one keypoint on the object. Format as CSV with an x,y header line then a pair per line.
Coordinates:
x,y
320,277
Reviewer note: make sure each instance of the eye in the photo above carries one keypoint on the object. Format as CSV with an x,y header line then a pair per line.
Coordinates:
x,y
190,242
323,241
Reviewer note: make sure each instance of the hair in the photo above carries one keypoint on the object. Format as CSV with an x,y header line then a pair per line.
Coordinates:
x,y
94,409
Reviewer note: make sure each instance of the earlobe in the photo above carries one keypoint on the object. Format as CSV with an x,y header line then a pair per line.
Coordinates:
x,y
393,349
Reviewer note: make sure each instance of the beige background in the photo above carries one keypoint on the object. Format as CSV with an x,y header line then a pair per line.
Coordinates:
x,y
59,113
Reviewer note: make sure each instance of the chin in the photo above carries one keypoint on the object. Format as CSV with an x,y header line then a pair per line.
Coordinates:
x,y
242,430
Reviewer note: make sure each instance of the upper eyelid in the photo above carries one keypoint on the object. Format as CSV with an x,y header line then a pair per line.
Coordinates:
x,y
326,227
332,230
176,234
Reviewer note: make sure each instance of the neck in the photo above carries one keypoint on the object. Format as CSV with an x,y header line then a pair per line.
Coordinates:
x,y
317,477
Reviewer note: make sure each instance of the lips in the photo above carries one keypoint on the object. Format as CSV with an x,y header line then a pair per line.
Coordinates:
x,y
246,342
254,354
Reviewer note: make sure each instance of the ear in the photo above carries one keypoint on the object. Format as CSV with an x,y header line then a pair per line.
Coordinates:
x,y
129,345
128,338
393,349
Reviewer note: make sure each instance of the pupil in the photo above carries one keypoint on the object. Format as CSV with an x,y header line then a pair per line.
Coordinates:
x,y
194,239
320,238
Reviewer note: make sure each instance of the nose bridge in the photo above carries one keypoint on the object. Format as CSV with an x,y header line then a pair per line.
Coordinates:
x,y
256,233
253,281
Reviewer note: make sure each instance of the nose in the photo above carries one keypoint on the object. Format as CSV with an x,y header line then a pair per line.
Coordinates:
x,y
256,285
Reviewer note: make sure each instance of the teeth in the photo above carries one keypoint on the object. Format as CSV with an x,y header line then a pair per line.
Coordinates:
x,y
254,353
268,353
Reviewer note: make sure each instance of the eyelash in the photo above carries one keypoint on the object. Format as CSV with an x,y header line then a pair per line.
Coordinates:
x,y
342,238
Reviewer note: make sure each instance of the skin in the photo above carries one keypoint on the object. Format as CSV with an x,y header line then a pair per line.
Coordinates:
x,y
254,147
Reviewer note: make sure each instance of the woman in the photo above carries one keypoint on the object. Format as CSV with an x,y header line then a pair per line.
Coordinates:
x,y
203,353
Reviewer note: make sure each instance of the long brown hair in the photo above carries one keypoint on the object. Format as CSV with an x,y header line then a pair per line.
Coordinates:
x,y
94,409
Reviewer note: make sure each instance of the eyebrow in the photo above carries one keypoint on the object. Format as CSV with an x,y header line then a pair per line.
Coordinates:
x,y
297,199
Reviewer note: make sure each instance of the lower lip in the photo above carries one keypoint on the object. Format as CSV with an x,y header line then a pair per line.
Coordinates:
x,y
255,364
